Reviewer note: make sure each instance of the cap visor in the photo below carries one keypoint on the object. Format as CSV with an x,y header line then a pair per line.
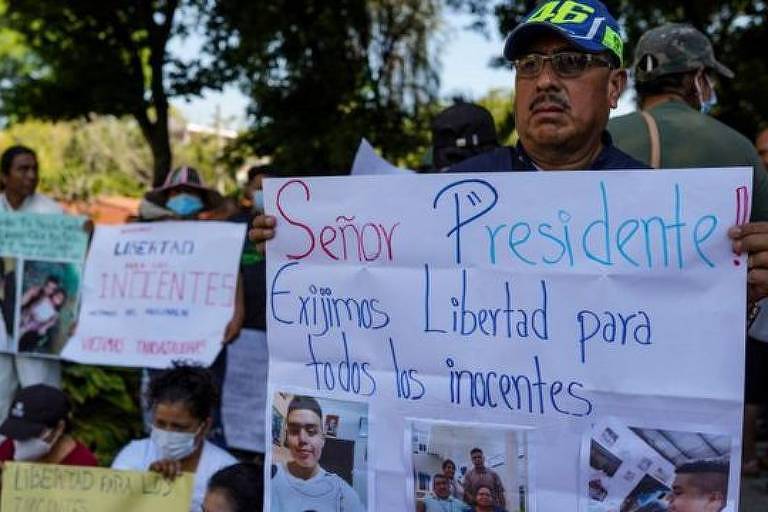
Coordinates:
x,y
726,72
20,430
519,37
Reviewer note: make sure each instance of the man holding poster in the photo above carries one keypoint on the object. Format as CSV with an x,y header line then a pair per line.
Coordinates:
x,y
539,302
568,79
19,174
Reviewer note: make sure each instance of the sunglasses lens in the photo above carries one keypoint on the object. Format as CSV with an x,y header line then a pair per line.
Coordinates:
x,y
569,63
530,65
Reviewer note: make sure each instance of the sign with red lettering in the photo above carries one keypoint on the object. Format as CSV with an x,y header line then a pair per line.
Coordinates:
x,y
156,293
552,341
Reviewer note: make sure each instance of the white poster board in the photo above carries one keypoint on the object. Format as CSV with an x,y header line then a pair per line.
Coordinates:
x,y
157,292
534,303
244,395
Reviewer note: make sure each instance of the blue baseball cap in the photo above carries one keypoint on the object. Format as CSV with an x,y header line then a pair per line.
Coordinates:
x,y
586,24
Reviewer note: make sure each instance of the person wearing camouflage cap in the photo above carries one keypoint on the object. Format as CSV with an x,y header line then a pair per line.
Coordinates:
x,y
674,70
675,48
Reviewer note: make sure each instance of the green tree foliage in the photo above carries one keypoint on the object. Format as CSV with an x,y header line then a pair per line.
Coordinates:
x,y
739,33
501,104
104,155
105,410
81,159
91,57
322,74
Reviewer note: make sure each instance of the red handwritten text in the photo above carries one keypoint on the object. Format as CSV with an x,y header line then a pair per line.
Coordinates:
x,y
193,287
346,239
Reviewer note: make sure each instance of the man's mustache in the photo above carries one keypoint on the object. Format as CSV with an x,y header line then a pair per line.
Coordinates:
x,y
550,97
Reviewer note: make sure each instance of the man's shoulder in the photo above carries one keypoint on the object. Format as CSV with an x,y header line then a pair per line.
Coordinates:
x,y
135,455
733,136
731,147
621,124
614,158
40,203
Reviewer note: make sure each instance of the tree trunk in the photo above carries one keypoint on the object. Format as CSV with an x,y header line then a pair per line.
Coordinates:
x,y
161,154
157,136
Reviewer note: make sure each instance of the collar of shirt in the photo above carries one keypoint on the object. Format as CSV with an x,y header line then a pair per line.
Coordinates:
x,y
7,206
608,158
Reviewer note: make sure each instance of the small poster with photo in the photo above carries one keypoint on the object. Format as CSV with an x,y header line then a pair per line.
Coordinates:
x,y
663,465
331,425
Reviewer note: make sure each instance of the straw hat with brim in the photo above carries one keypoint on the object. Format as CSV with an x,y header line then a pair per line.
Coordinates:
x,y
181,178
35,409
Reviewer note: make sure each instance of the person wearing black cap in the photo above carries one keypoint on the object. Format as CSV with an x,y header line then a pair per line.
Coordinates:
x,y
36,429
461,131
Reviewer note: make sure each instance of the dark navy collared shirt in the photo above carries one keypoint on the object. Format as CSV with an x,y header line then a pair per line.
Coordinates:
x,y
510,158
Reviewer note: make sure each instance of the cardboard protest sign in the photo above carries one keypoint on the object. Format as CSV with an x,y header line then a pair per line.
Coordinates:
x,y
41,261
29,487
157,292
519,314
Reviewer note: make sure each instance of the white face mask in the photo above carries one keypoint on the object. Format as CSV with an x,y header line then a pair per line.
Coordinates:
x,y
30,449
174,445
705,106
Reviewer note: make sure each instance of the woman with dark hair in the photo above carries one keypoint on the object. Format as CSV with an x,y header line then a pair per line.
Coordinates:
x,y
237,488
181,399
484,500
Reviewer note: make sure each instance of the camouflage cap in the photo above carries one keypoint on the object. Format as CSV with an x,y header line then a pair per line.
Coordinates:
x,y
674,48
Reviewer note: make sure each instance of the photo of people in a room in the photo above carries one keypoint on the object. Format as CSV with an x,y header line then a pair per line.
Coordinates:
x,y
651,470
459,468
47,306
319,459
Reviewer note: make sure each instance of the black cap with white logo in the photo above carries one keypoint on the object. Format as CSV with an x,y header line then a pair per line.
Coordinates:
x,y
34,409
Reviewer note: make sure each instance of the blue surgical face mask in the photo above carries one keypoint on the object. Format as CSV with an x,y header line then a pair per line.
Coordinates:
x,y
185,204
257,196
706,106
